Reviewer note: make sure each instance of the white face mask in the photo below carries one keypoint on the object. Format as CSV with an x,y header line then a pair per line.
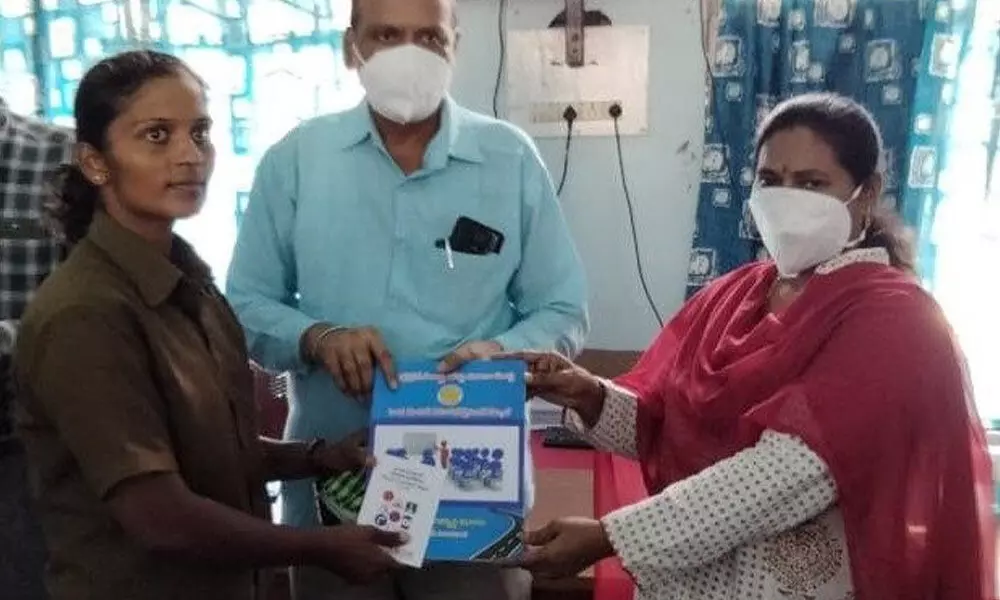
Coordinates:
x,y
405,83
800,228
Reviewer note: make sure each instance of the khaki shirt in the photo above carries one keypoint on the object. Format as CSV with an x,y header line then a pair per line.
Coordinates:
x,y
128,364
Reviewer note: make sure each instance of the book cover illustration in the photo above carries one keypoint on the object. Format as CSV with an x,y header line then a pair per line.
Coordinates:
x,y
471,425
403,496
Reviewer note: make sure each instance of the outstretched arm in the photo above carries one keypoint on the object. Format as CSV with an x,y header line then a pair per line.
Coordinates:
x,y
756,494
615,428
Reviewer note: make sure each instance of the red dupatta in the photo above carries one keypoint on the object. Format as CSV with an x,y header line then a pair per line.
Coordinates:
x,y
862,367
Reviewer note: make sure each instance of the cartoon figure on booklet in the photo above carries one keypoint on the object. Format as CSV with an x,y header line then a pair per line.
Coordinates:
x,y
467,467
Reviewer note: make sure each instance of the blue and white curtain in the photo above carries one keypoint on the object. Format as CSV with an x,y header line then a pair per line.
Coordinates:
x,y
768,50
929,70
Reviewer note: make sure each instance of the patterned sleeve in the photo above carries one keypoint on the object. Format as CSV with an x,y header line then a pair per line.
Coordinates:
x,y
756,494
615,431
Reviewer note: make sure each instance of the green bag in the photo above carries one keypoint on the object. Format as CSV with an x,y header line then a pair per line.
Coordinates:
x,y
339,497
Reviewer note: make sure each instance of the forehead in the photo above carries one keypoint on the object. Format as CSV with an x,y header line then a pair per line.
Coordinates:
x,y
176,97
409,14
798,149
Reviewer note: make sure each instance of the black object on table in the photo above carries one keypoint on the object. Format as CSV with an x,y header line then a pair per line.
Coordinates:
x,y
558,436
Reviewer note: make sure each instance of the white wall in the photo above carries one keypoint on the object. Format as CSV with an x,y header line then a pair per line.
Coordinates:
x,y
663,167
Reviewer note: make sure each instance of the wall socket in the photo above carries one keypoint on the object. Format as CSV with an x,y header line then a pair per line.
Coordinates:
x,y
552,112
540,85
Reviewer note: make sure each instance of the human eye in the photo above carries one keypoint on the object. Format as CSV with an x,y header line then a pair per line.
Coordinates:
x,y
385,35
432,39
766,180
157,134
202,134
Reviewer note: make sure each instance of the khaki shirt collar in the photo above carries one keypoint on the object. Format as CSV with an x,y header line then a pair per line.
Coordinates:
x,y
154,274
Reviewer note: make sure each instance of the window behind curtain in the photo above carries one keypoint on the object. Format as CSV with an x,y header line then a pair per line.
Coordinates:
x,y
966,230
269,65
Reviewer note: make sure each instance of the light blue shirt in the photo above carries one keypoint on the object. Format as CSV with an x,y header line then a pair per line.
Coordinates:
x,y
336,232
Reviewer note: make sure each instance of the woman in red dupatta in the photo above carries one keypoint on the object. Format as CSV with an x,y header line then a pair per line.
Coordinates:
x,y
819,391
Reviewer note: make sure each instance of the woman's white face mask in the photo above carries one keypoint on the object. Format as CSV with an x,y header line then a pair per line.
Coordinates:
x,y
800,228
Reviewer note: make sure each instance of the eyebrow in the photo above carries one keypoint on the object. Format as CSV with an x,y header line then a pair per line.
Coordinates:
x,y
437,28
167,121
812,173
800,173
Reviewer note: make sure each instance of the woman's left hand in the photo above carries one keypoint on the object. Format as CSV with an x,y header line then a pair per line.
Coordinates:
x,y
565,547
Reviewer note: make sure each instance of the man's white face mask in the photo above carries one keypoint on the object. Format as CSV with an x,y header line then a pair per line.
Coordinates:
x,y
405,83
800,228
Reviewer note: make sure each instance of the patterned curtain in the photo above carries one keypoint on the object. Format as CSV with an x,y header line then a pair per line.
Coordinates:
x,y
768,50
929,70
269,64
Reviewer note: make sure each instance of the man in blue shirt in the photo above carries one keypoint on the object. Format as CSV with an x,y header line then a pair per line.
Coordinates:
x,y
355,250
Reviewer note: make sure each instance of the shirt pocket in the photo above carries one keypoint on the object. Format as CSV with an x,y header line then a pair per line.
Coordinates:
x,y
460,294
22,229
27,255
203,424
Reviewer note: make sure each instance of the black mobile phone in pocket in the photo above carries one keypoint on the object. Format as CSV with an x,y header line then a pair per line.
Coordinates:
x,y
472,237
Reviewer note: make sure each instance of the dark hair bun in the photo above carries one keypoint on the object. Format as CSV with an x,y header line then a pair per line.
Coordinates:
x,y
74,202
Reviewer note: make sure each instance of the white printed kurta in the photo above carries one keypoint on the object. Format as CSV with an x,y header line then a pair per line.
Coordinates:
x,y
760,525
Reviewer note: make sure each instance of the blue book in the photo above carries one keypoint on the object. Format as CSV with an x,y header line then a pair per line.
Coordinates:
x,y
471,423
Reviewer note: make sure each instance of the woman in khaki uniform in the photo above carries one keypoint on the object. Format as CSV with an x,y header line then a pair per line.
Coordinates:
x,y
137,410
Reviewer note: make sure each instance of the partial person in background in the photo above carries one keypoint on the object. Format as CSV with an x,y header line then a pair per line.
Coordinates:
x,y
407,227
30,154
806,424
135,392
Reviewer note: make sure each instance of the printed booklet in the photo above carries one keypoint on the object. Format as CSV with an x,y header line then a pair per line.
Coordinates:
x,y
470,425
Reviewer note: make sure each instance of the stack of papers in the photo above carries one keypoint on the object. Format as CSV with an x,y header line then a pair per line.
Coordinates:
x,y
544,414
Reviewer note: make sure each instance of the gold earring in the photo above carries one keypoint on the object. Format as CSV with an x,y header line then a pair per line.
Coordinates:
x,y
100,179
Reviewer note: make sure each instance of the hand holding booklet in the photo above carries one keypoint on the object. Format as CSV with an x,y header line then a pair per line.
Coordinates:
x,y
450,463
403,497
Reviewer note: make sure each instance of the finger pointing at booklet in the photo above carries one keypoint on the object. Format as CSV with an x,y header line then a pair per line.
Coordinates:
x,y
351,356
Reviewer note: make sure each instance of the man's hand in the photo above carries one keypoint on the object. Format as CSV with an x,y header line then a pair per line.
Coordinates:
x,y
481,350
350,356
350,454
357,553
565,547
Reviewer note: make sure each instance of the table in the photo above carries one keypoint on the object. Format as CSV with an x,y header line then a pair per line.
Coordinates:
x,y
564,487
